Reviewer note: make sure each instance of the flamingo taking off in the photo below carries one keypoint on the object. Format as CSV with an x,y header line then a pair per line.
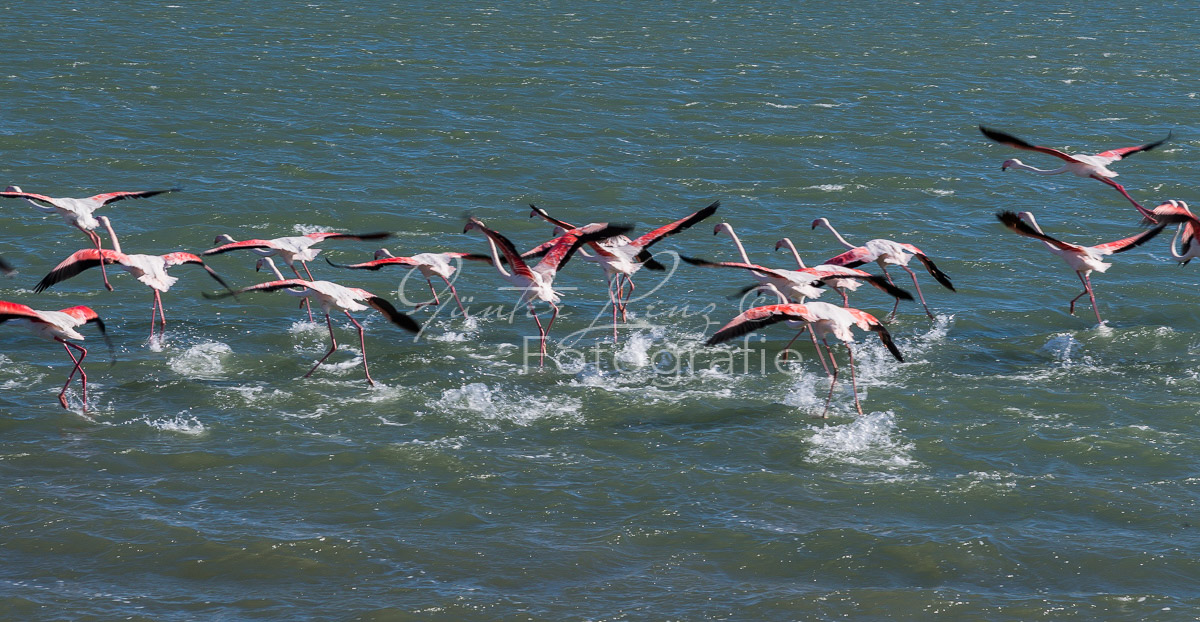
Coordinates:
x,y
886,252
78,212
1177,212
441,265
1082,259
621,257
853,276
1093,166
797,285
823,320
58,326
149,269
537,282
331,297
290,249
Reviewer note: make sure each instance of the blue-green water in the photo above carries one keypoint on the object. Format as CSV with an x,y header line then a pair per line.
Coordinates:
x,y
1020,464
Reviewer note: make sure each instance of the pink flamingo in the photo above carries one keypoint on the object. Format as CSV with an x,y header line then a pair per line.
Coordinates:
x,y
58,326
1082,259
331,297
620,257
1178,212
441,265
1093,166
149,269
537,283
290,249
78,212
797,285
854,277
885,253
823,320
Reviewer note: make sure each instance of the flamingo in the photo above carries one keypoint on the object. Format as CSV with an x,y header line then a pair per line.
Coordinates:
x,y
290,249
1082,259
621,257
1093,166
886,252
149,269
797,285
78,212
58,326
537,282
330,296
823,320
850,283
441,265
1178,212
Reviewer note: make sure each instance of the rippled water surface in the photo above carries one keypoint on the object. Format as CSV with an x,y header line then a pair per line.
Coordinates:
x,y
1021,463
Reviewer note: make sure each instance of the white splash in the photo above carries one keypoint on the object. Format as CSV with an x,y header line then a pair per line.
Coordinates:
x,y
202,360
180,424
868,440
481,400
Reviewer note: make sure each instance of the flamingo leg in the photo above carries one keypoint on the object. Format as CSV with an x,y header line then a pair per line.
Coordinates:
x,y
832,381
542,341
154,311
1087,283
853,382
1087,290
549,325
1147,214
431,303
628,295
892,315
614,297
362,342
919,294
305,302
455,294
332,347
820,356
845,299
78,368
788,347
95,238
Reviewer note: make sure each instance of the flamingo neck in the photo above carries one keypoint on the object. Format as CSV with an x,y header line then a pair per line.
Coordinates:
x,y
770,288
1021,166
274,268
496,258
792,247
729,229
112,236
1176,255
825,223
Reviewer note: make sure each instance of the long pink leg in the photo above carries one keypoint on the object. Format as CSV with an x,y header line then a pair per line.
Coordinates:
x,y
853,382
919,294
788,347
542,341
1147,214
891,315
614,296
362,342
628,295
306,302
95,238
1087,289
332,347
454,293
78,368
832,381
156,308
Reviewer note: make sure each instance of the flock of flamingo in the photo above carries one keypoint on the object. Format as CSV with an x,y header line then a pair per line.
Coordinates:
x,y
606,244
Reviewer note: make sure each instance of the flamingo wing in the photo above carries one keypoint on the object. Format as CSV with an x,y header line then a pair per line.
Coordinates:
x,y
233,246
78,262
505,245
109,197
377,235
649,239
1005,138
737,264
1132,241
852,258
14,311
1116,154
378,263
866,321
471,257
13,194
1020,227
179,259
393,315
568,243
537,211
758,317
930,267
878,282
269,286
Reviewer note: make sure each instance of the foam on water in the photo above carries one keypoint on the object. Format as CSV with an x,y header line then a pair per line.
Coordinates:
x,y
481,401
204,360
181,424
869,440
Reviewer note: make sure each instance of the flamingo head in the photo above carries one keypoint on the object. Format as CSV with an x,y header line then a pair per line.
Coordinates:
x,y
383,252
258,265
1010,163
821,222
224,238
13,189
724,226
784,243
473,223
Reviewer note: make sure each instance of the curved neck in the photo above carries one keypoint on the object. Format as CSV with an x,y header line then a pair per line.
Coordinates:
x,y
1176,255
112,236
1021,166
496,257
770,288
792,247
1032,222
727,228
825,223
274,268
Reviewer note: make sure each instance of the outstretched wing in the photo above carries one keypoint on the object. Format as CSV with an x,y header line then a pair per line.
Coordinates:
x,y
14,311
695,261
758,317
1116,154
378,235
1012,141
233,246
504,244
932,269
269,286
1132,241
393,315
537,211
568,243
646,241
377,263
1020,227
869,322
78,262
109,197
181,258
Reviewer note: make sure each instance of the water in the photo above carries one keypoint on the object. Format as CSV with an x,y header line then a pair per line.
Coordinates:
x,y
1020,464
